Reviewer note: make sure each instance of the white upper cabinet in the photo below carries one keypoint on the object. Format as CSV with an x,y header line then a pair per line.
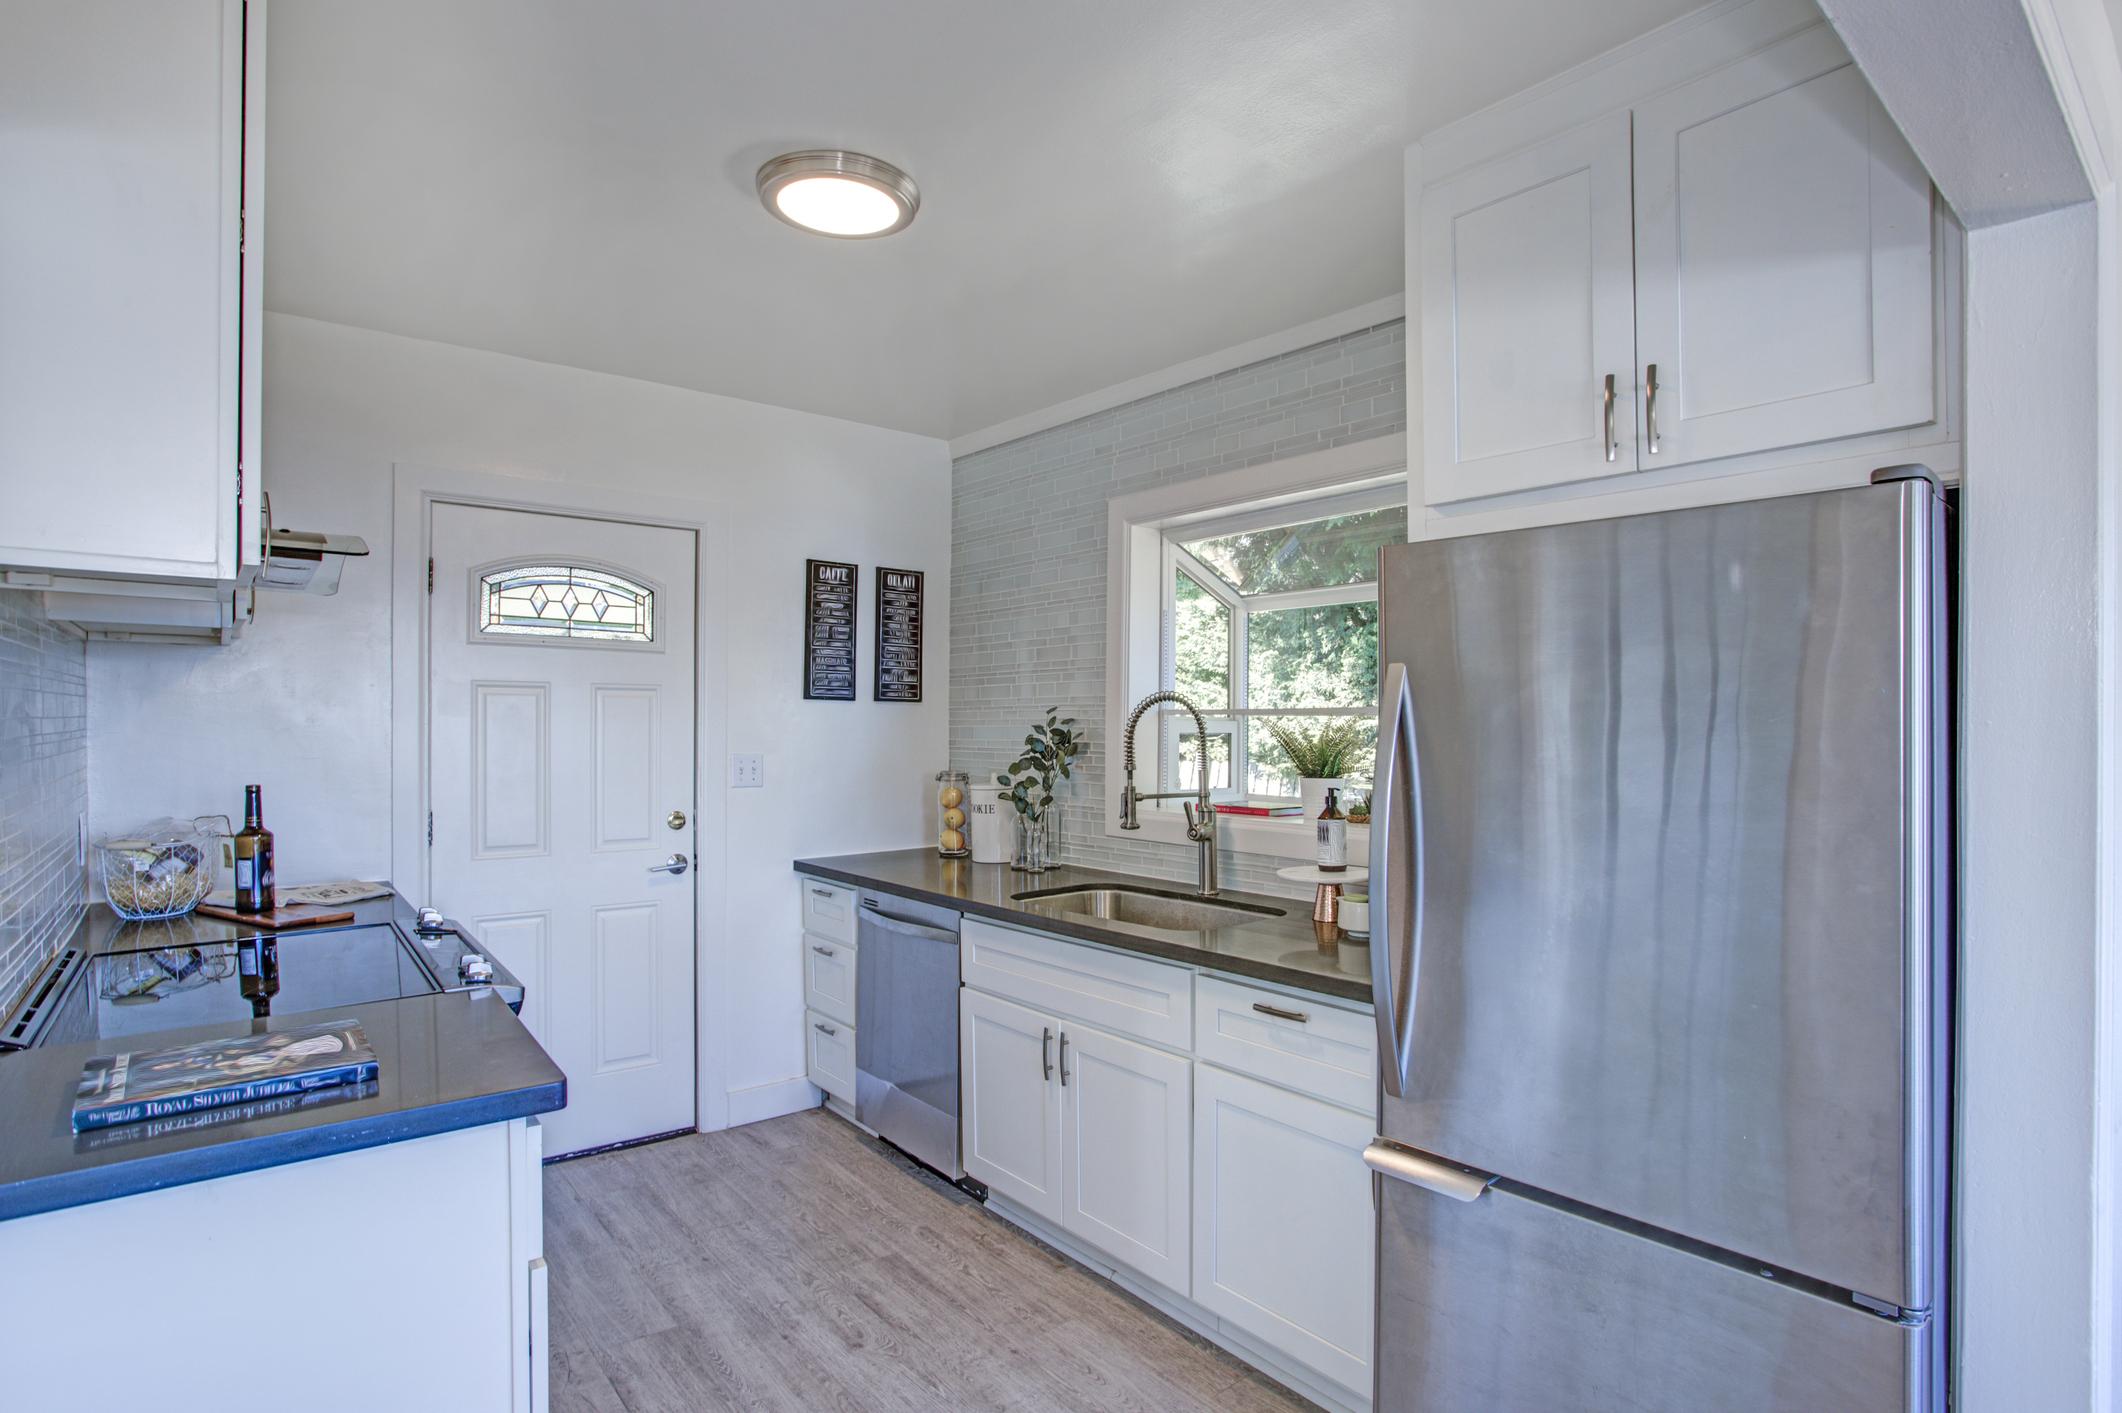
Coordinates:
x,y
1528,329
1738,236
130,144
1783,259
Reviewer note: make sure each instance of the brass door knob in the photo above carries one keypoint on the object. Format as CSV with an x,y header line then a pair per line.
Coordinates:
x,y
676,820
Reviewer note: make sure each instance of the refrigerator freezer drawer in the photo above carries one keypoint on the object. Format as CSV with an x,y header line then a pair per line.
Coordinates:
x,y
1506,1304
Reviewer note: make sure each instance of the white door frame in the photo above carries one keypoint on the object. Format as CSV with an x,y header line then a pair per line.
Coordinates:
x,y
415,489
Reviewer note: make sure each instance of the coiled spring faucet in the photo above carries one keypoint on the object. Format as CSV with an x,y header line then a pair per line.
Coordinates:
x,y
1200,814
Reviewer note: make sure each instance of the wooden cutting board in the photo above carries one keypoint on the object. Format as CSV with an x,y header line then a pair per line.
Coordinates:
x,y
280,919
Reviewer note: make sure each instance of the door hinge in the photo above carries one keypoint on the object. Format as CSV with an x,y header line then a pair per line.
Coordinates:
x,y
243,231
430,573
431,829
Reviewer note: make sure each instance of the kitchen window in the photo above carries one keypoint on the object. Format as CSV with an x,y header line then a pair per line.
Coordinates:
x,y
1273,616
1254,594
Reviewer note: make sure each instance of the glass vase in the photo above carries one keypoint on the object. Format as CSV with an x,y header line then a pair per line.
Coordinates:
x,y
1034,850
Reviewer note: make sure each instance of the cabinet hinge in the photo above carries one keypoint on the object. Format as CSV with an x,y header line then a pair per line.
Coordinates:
x,y
430,573
243,233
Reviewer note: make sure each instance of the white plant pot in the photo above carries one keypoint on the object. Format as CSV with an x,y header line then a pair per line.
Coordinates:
x,y
1313,794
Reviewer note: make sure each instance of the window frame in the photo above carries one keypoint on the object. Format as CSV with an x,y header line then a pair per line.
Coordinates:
x,y
474,608
1140,562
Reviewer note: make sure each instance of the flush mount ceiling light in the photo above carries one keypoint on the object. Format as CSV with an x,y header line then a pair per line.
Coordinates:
x,y
843,194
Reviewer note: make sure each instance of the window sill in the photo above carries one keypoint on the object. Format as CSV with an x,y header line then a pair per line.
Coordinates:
x,y
1289,839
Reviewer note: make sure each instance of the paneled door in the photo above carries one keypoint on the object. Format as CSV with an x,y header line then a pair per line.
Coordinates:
x,y
1012,1114
1528,318
1125,1143
561,720
1783,259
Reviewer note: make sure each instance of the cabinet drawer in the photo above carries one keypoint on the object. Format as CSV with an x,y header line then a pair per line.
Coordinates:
x,y
1130,995
831,1047
1297,1042
828,909
829,977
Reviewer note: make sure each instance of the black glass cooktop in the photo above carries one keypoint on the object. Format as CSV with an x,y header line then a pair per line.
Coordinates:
x,y
172,980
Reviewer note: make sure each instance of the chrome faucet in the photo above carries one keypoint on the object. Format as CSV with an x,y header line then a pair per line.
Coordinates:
x,y
1200,814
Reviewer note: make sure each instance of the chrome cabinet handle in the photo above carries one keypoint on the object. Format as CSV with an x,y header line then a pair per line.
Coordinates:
x,y
1650,406
1279,1014
825,951
676,863
825,893
1398,909
1046,1050
1606,404
1064,1059
1406,1165
823,1029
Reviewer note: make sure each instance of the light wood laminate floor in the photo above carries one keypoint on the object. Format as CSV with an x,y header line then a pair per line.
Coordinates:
x,y
799,1264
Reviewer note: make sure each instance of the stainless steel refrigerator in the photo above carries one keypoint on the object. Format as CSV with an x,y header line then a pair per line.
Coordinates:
x,y
1661,961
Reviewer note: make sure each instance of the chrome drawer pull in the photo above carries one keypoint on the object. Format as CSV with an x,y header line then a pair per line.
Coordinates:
x,y
823,1029
1279,1014
825,893
825,951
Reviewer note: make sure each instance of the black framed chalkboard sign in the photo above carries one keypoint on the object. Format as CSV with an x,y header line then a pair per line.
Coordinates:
x,y
828,630
898,664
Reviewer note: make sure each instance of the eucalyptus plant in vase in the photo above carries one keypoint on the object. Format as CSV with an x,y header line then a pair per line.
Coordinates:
x,y
1029,783
1323,753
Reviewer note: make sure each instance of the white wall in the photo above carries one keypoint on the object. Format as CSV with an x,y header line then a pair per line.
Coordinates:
x,y
301,704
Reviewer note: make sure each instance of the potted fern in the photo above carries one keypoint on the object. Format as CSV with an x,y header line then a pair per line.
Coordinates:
x,y
1322,752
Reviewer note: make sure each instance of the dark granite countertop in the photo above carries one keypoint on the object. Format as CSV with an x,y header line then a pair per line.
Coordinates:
x,y
1291,950
446,1061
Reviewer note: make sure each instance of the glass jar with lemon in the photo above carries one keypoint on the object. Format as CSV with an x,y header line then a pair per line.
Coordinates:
x,y
952,837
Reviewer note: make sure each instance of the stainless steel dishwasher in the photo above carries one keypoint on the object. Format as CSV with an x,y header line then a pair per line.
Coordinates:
x,y
906,1027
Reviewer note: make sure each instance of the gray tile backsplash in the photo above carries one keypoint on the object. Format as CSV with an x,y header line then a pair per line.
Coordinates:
x,y
43,785
1027,627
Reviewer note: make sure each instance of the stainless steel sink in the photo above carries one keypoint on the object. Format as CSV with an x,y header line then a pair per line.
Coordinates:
x,y
1147,907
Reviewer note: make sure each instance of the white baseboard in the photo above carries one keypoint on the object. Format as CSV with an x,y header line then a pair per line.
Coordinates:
x,y
771,1101
1202,1322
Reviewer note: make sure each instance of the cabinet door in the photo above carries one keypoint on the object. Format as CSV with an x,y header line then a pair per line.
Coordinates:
x,y
122,269
1783,259
1283,1244
1127,1190
1012,1109
1527,310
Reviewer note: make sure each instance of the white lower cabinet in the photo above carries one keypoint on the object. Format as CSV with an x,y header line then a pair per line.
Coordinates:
x,y
1081,1127
1123,1141
1010,1104
1238,1187
1282,1216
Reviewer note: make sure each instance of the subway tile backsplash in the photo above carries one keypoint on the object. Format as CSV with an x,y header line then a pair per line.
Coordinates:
x,y
43,785
1027,627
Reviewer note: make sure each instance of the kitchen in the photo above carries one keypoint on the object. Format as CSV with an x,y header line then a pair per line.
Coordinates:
x,y
499,296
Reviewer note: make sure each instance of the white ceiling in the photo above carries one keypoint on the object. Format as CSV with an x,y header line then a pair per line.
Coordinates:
x,y
1108,188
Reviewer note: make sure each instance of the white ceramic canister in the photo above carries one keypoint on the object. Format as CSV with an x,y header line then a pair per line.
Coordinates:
x,y
989,823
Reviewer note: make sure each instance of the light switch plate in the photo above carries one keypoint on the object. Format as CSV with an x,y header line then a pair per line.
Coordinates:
x,y
747,772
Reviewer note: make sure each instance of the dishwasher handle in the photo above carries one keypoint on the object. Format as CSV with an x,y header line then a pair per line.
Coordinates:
x,y
874,916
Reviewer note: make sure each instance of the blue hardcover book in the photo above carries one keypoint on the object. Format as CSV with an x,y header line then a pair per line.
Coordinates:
x,y
159,1084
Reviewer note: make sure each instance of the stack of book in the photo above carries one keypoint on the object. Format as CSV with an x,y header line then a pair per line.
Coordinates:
x,y
1263,811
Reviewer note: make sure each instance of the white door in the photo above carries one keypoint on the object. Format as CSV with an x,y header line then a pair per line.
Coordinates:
x,y
1527,311
561,778
1295,1275
1012,1113
1783,259
1125,1110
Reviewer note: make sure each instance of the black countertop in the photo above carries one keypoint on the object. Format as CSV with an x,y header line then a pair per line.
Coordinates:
x,y
1291,949
446,1061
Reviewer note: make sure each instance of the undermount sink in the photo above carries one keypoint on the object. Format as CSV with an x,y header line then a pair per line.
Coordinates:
x,y
1147,907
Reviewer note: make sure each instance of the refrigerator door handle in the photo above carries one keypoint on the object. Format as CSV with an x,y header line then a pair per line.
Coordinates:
x,y
1406,1165
1394,874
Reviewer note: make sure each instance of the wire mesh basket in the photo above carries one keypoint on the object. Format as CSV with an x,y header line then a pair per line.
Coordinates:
x,y
163,869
